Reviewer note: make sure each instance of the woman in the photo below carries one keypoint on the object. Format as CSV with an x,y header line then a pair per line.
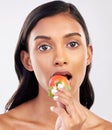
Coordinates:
x,y
54,40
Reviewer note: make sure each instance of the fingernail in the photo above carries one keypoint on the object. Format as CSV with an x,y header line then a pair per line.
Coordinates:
x,y
55,97
60,86
51,108
54,91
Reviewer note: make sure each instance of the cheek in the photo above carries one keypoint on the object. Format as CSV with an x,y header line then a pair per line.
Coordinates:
x,y
40,64
79,69
80,60
41,70
82,64
81,72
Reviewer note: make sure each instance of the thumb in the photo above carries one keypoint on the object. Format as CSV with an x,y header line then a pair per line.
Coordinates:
x,y
58,123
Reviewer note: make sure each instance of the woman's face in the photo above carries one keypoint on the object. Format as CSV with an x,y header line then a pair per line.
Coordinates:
x,y
57,45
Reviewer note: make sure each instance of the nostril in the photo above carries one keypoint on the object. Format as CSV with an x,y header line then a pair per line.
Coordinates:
x,y
56,63
60,60
60,63
65,62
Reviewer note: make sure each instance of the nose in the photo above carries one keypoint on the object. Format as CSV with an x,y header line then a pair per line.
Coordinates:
x,y
60,58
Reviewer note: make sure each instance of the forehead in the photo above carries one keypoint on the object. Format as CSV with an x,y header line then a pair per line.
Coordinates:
x,y
59,24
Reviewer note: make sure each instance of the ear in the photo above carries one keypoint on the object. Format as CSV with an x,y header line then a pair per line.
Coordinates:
x,y
89,53
25,59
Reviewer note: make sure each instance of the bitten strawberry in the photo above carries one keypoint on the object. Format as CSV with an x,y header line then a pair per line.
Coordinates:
x,y
56,82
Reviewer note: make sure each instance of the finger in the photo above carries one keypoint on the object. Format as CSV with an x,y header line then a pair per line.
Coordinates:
x,y
58,124
61,102
63,120
59,111
60,91
63,99
60,105
64,91
72,107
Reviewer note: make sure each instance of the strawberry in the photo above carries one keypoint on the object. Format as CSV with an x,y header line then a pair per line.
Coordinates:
x,y
56,82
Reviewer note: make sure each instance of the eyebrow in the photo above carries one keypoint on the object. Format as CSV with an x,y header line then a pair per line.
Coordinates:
x,y
72,34
42,37
66,36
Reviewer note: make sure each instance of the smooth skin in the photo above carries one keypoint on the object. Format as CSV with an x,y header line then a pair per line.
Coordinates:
x,y
56,44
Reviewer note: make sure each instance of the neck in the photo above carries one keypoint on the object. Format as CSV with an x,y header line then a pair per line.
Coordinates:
x,y
41,105
44,99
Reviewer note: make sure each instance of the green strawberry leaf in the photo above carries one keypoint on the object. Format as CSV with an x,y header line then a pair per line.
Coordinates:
x,y
59,82
49,91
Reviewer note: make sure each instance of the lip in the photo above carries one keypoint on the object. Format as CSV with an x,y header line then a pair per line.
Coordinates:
x,y
66,74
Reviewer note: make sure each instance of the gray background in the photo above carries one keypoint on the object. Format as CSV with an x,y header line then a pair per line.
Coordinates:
x,y
98,16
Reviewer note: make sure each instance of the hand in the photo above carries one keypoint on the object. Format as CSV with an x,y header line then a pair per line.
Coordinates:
x,y
71,114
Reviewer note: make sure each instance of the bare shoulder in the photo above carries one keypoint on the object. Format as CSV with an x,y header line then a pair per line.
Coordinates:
x,y
104,125
5,122
101,125
107,125
98,123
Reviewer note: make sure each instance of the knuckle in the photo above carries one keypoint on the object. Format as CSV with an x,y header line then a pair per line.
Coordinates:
x,y
60,111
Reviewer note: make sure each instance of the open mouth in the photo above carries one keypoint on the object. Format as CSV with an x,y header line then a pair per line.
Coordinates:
x,y
68,76
65,74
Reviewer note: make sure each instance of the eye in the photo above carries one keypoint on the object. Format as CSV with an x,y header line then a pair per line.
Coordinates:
x,y
73,44
44,48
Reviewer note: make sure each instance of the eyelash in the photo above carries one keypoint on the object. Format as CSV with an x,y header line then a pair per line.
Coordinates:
x,y
73,44
46,47
43,47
